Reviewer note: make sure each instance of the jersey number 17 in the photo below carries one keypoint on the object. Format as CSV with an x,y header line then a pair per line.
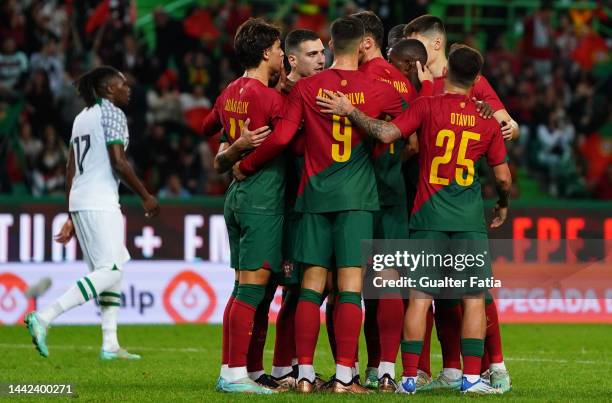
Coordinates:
x,y
81,150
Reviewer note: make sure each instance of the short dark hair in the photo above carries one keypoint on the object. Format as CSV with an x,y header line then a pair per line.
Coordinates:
x,y
412,48
253,37
464,64
425,24
395,35
92,85
346,32
296,37
373,26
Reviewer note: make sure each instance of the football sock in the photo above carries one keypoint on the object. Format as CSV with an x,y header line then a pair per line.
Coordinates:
x,y
284,344
307,324
448,315
226,314
370,331
390,320
386,368
472,378
260,331
493,342
498,366
85,289
329,324
344,374
254,375
425,359
347,324
306,371
110,301
452,373
241,320
279,372
471,350
485,363
411,350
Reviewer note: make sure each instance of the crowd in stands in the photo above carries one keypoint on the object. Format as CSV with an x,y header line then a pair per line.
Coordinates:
x,y
548,81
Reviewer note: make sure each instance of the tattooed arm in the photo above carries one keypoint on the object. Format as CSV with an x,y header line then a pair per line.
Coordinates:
x,y
339,104
379,129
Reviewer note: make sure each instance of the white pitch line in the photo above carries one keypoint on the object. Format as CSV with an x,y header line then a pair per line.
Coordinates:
x,y
205,350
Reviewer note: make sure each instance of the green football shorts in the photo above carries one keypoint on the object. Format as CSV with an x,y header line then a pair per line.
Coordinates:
x,y
290,270
255,240
333,240
391,222
466,261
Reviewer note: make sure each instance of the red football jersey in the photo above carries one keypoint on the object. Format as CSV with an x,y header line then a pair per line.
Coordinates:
x,y
244,98
481,90
248,98
452,139
385,71
338,173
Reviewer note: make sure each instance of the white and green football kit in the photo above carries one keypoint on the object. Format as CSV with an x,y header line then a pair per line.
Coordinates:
x,y
98,224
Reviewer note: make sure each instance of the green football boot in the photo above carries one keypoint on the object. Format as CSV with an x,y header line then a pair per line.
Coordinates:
x,y
38,333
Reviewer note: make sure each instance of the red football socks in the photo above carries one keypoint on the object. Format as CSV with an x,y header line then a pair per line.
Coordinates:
x,y
307,325
347,325
493,342
371,332
448,325
390,320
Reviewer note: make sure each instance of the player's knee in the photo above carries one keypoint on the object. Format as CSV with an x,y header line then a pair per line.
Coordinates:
x,y
350,280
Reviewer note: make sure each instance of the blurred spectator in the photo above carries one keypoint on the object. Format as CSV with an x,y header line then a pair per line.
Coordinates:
x,y
174,189
49,60
195,107
68,103
196,70
566,40
538,39
556,139
13,67
49,175
582,106
13,22
169,37
163,100
31,146
603,188
39,100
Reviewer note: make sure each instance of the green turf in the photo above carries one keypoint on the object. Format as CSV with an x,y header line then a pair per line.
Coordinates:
x,y
181,363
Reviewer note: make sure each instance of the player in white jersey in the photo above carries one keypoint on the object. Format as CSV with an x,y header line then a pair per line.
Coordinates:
x,y
96,163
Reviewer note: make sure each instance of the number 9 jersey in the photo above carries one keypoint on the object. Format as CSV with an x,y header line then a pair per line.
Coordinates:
x,y
95,186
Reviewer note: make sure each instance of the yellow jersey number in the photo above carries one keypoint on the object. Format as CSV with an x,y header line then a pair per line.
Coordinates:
x,y
342,131
446,138
232,130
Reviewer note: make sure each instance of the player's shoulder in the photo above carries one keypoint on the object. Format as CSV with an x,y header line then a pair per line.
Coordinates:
x,y
110,111
481,82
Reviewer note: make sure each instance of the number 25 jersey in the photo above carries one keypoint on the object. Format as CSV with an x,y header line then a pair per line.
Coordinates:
x,y
95,186
452,139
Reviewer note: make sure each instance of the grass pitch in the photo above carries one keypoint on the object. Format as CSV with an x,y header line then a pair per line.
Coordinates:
x,y
181,363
